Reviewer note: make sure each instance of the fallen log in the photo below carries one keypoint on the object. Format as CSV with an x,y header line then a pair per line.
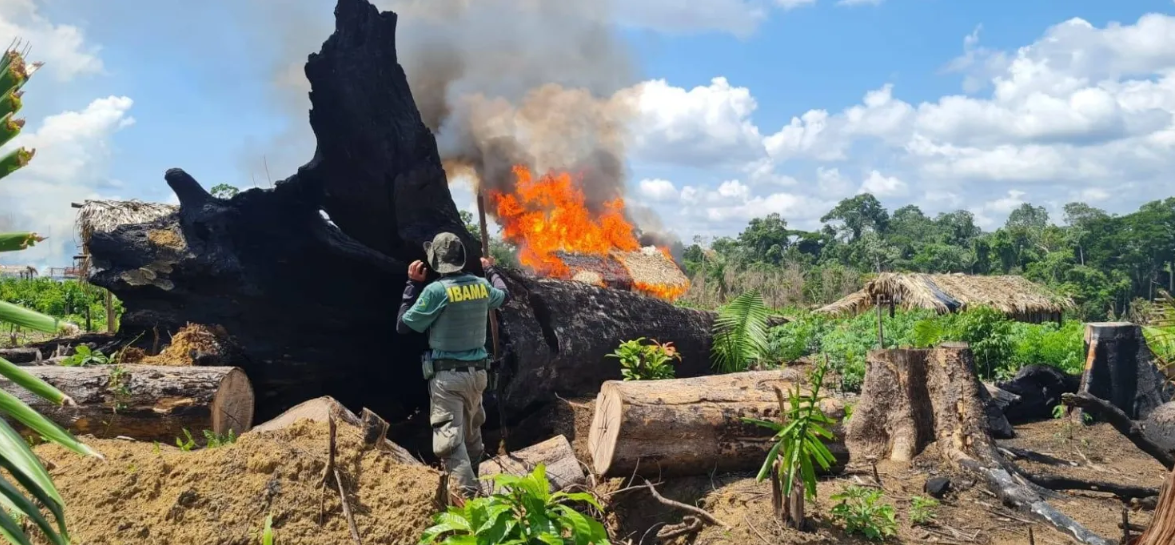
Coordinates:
x,y
1119,368
1159,426
1057,482
145,402
1038,388
563,469
914,398
1121,422
693,426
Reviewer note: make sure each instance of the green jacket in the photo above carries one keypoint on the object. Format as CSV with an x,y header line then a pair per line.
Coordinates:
x,y
453,310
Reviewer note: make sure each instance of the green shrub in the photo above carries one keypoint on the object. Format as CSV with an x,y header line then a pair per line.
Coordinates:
x,y
922,510
83,356
524,512
861,511
641,361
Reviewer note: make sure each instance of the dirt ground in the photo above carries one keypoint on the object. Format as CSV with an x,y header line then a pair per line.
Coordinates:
x,y
146,494
969,514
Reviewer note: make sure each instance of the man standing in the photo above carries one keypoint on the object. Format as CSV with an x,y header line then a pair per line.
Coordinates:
x,y
454,310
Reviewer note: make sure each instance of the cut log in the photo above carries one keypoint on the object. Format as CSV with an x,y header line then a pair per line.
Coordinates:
x,y
1038,389
21,356
1159,427
145,402
326,408
563,469
693,426
913,398
1119,369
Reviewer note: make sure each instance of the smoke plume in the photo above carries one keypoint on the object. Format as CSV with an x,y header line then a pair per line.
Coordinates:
x,y
542,83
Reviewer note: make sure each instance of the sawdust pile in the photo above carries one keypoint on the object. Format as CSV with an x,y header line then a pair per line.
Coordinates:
x,y
190,343
145,494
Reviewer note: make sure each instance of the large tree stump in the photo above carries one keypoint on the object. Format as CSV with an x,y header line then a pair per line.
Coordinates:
x,y
145,402
1161,530
556,454
1119,368
913,398
692,426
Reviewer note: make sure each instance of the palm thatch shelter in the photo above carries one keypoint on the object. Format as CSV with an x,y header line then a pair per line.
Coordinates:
x,y
1018,298
104,216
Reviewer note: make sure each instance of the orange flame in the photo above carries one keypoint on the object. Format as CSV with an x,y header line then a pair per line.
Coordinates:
x,y
548,214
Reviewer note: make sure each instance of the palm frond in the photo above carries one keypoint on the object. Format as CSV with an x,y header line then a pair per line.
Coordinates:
x,y
740,333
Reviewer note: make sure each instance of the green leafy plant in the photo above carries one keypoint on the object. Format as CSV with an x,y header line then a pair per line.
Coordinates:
x,y
118,385
26,491
799,444
188,444
640,361
216,440
740,333
861,511
922,510
83,356
522,513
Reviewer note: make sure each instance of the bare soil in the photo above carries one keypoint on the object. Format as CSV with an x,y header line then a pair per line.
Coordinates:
x,y
969,514
148,494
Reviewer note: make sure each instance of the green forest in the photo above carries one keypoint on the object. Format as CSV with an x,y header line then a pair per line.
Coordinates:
x,y
1104,261
68,300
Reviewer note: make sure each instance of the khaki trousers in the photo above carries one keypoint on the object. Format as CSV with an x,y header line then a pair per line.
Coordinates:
x,y
457,414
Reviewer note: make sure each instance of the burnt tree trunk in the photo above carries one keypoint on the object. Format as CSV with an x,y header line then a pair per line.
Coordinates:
x,y
693,426
913,398
313,303
145,402
1119,368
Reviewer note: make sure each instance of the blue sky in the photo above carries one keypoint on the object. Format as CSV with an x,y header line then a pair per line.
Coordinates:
x,y
943,104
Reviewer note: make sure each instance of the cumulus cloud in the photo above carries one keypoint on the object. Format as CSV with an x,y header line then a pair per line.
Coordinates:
x,y
62,47
71,162
1082,112
658,190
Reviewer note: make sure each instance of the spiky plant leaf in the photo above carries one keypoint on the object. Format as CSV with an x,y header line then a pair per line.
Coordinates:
x,y
740,333
26,318
11,242
15,160
10,103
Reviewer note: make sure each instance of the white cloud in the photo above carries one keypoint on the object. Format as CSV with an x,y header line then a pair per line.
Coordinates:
x,y
703,126
1083,112
658,190
859,2
882,186
72,155
61,47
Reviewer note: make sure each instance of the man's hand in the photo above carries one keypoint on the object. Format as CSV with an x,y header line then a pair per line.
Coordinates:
x,y
487,262
417,271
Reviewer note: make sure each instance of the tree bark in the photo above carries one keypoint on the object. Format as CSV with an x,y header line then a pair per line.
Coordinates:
x,y
145,402
1120,370
692,426
913,398
556,454
1162,527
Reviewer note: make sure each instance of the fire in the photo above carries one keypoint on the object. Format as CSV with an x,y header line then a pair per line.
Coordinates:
x,y
548,214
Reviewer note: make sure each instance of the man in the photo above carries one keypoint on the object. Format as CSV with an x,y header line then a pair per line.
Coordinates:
x,y
454,310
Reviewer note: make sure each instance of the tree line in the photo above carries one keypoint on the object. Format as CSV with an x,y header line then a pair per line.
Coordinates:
x,y
1103,261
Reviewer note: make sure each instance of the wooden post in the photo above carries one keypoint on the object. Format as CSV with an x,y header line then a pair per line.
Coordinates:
x,y
485,251
880,329
109,312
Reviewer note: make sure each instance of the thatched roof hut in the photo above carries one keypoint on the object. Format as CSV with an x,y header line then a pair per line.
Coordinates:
x,y
1015,296
104,216
18,271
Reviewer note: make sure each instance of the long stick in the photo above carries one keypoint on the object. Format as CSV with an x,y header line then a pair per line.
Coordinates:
x,y
485,249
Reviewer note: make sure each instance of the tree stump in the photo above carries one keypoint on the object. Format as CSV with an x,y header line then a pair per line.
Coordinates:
x,y
1161,530
563,469
912,398
1119,368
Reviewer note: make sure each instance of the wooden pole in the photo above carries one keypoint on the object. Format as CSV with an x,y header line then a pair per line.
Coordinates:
x,y
109,312
880,331
485,251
